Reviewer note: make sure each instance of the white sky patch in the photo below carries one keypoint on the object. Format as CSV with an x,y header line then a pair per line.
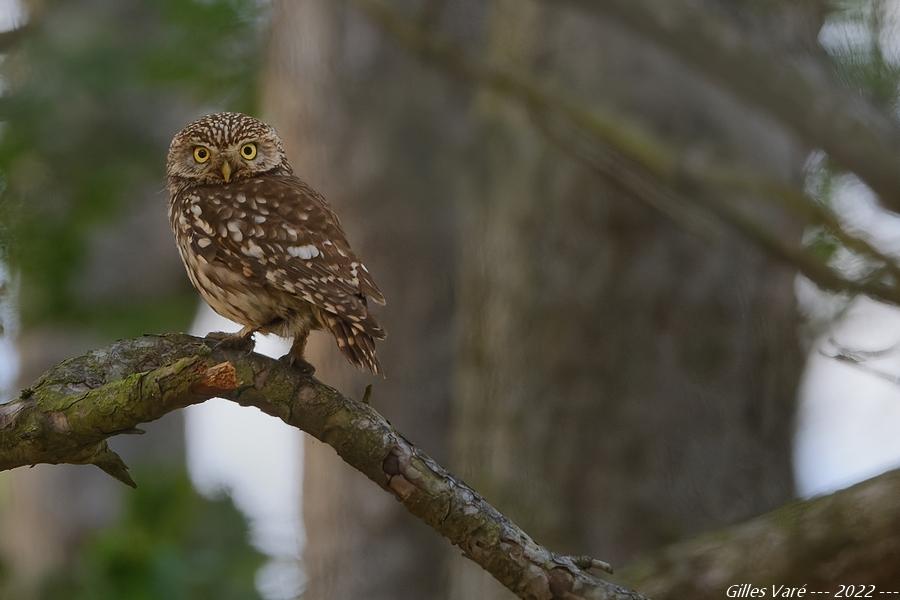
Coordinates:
x,y
9,357
12,14
258,460
848,418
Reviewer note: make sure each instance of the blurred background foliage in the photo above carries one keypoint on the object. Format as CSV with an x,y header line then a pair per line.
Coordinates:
x,y
169,542
94,92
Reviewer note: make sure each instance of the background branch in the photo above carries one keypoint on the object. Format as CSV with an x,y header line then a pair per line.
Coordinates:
x,y
10,38
819,543
800,92
69,413
681,177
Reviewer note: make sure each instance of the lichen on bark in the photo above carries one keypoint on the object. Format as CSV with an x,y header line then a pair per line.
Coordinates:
x,y
67,416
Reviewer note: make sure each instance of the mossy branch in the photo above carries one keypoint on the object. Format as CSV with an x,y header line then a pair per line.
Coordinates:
x,y
67,416
850,536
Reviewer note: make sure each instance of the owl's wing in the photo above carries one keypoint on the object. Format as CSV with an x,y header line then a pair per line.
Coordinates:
x,y
280,233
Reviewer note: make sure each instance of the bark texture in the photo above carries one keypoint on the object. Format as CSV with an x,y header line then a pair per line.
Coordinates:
x,y
68,414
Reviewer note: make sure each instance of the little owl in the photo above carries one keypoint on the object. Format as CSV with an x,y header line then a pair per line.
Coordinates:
x,y
262,247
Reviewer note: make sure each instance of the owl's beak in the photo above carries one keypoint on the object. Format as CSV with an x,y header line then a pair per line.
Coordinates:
x,y
226,171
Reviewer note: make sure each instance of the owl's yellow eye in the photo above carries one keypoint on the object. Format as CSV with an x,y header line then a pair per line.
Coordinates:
x,y
248,151
201,154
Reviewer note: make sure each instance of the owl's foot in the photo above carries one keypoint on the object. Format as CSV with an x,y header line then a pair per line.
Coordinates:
x,y
294,357
242,340
298,363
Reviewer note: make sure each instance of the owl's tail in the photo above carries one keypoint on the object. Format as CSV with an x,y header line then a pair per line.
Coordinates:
x,y
356,340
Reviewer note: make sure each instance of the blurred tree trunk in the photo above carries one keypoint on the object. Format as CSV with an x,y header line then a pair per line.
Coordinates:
x,y
623,383
357,135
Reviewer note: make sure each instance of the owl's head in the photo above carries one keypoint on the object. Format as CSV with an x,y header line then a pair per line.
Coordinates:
x,y
225,147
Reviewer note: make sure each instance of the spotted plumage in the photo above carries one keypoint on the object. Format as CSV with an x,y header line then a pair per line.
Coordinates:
x,y
262,247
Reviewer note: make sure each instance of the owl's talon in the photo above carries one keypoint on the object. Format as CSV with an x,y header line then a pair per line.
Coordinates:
x,y
301,365
232,341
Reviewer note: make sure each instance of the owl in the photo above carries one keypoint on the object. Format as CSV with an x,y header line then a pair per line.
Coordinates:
x,y
262,247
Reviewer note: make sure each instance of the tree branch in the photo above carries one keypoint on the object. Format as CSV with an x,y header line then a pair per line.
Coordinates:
x,y
798,91
69,413
690,178
11,37
851,536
